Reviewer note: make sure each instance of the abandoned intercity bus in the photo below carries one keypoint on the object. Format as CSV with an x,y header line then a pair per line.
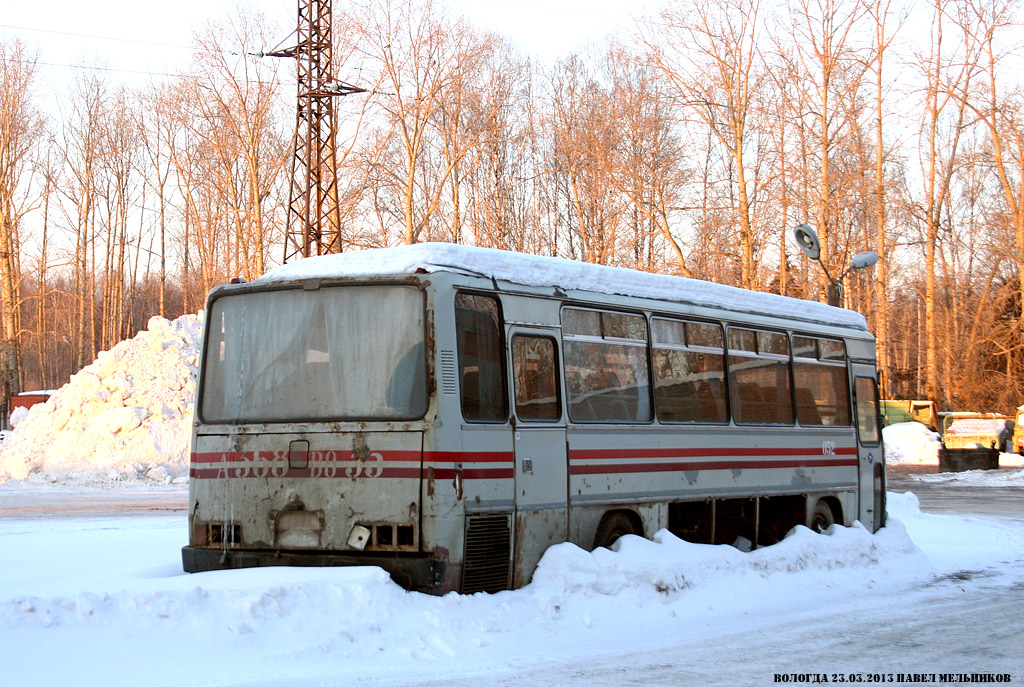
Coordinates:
x,y
447,413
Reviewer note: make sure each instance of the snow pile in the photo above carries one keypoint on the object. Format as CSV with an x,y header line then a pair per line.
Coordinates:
x,y
670,565
911,442
17,415
126,416
902,506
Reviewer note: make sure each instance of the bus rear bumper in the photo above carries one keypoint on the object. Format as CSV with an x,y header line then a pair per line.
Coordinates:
x,y
423,573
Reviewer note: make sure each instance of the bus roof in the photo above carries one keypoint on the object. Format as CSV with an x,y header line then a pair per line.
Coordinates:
x,y
541,271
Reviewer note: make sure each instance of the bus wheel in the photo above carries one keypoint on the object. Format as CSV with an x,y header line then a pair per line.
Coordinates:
x,y
823,517
614,525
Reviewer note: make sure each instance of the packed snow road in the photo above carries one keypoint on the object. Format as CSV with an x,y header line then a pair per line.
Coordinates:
x,y
29,501
998,493
103,601
951,625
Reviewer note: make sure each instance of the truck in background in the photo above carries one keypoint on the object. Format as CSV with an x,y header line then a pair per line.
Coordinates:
x,y
894,410
973,441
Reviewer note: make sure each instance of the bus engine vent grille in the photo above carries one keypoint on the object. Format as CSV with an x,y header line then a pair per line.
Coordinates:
x,y
448,375
486,565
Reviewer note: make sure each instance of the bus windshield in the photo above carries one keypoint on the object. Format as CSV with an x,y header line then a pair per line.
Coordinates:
x,y
335,353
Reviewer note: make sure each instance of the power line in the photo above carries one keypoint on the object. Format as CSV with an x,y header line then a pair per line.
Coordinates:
x,y
282,80
95,37
104,69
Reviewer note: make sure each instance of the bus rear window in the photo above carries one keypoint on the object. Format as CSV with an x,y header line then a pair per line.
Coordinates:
x,y
352,352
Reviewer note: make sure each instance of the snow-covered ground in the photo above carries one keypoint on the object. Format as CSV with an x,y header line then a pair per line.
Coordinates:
x,y
974,478
105,602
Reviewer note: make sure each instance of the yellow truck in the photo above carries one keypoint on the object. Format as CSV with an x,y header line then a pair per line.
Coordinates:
x,y
973,441
894,410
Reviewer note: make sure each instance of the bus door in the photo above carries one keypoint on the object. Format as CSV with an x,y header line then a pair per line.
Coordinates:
x,y
870,457
541,480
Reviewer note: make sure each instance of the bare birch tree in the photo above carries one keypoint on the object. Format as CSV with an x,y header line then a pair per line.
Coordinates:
x,y
1000,108
20,129
881,12
825,69
708,50
236,101
947,71
425,62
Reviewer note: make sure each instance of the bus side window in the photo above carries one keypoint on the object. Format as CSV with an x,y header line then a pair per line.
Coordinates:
x,y
689,371
606,366
819,374
481,358
759,377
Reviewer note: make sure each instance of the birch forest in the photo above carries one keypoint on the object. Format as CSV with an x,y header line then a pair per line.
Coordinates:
x,y
689,143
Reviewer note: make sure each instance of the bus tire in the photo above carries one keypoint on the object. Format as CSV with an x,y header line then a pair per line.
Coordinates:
x,y
822,518
614,525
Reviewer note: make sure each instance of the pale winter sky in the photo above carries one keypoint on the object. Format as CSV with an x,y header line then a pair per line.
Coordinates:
x,y
142,38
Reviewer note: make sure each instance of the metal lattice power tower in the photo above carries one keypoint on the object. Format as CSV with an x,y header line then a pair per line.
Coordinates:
x,y
314,223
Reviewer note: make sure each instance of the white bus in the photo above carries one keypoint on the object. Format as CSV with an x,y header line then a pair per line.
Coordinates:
x,y
447,413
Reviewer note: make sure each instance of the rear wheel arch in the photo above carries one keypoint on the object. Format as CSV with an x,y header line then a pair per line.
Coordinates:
x,y
826,511
615,524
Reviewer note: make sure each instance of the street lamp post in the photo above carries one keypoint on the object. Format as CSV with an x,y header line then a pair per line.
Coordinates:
x,y
807,239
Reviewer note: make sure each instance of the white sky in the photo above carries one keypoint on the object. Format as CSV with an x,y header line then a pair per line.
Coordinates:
x,y
131,37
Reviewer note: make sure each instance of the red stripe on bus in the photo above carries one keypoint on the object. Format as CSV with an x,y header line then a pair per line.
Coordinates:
x,y
278,456
224,456
263,464
718,465
475,473
468,456
619,454
341,472
399,455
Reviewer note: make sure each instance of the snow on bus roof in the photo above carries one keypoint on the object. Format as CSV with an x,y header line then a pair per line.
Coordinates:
x,y
536,270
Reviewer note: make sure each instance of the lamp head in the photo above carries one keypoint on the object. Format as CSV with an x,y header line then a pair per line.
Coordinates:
x,y
807,239
862,260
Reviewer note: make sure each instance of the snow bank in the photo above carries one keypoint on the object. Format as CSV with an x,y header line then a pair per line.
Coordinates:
x,y
670,565
272,625
911,442
17,415
125,417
